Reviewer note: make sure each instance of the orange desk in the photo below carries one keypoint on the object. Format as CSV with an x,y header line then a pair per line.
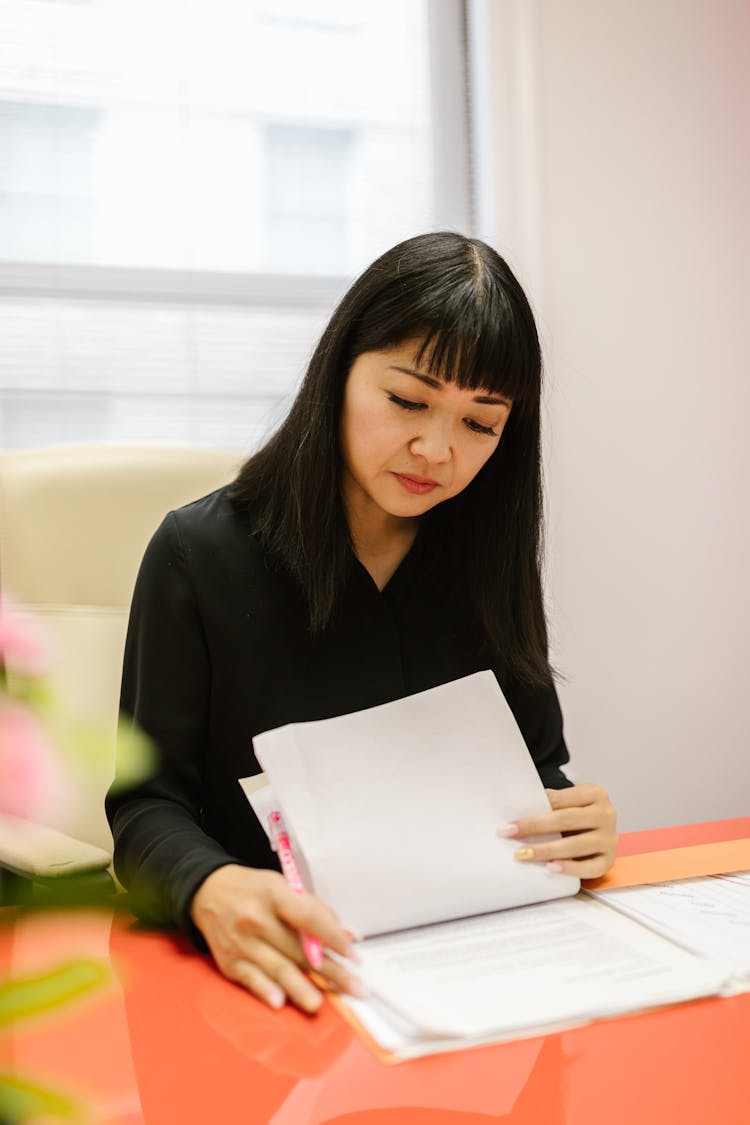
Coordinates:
x,y
170,1041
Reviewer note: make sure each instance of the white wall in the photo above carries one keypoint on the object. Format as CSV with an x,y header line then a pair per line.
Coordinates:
x,y
620,135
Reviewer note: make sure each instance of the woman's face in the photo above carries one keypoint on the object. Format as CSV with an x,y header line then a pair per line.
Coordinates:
x,y
408,440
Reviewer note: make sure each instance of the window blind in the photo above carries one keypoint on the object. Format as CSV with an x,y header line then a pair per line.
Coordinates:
x,y
185,190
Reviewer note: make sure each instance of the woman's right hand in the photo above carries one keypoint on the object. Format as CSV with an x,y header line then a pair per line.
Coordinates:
x,y
252,921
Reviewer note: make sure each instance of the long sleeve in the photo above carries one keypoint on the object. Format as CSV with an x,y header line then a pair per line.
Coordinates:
x,y
161,852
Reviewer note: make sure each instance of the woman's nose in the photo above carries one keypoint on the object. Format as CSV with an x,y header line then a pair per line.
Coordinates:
x,y
433,442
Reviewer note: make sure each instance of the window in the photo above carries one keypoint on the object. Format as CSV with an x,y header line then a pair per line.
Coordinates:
x,y
185,191
46,181
307,198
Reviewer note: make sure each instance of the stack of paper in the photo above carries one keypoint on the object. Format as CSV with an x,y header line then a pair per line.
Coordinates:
x,y
394,810
393,814
709,916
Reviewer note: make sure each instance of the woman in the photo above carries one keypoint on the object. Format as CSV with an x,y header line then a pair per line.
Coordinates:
x,y
385,540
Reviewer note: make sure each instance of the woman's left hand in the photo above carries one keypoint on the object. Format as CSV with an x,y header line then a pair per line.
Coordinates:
x,y
586,817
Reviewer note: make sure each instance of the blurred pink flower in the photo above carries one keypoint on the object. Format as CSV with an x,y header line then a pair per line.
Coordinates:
x,y
21,646
32,780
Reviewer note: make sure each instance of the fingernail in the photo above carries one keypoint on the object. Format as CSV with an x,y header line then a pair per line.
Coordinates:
x,y
350,953
312,1001
553,865
276,998
507,830
314,954
524,853
352,934
356,988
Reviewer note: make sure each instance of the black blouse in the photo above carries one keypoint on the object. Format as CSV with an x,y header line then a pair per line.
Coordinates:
x,y
218,650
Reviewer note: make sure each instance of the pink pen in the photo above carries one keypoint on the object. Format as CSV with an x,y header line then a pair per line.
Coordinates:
x,y
280,842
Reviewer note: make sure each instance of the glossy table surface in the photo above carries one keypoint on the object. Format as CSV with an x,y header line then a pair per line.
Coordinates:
x,y
167,1039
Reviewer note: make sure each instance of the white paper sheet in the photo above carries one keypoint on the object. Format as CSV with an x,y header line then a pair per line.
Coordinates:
x,y
395,809
710,916
550,964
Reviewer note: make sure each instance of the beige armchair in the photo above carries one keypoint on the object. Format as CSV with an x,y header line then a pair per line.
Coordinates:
x,y
74,522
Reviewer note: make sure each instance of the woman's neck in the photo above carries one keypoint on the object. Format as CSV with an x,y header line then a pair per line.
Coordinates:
x,y
381,542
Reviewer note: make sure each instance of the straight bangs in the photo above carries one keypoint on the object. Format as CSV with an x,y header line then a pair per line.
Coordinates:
x,y
461,300
485,344
475,326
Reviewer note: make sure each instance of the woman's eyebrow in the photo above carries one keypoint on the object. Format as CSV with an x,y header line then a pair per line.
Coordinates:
x,y
437,384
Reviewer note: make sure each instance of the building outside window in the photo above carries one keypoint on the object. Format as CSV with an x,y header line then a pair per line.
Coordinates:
x,y
186,189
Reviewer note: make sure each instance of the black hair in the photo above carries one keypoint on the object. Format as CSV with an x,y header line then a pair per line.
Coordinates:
x,y
477,330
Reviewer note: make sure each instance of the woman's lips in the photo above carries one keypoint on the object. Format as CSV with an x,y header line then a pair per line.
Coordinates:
x,y
418,485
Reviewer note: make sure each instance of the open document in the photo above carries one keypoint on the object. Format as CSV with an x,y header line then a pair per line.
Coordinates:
x,y
518,972
709,916
392,814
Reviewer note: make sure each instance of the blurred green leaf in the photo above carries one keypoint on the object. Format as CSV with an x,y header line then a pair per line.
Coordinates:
x,y
26,1101
35,691
85,746
29,996
136,758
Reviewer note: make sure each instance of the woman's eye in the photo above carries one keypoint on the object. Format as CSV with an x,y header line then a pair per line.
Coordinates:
x,y
476,428
405,403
